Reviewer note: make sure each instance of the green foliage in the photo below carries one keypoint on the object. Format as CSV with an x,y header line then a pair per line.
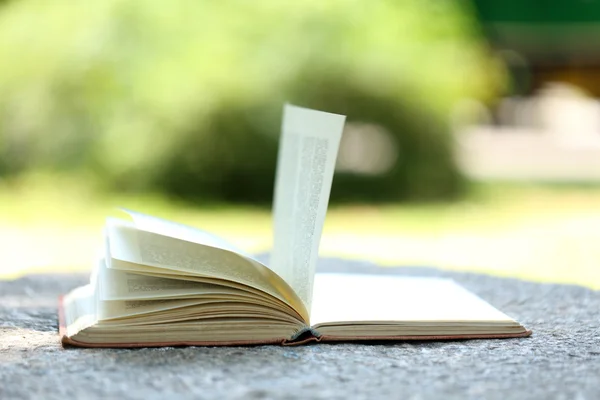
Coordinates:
x,y
185,96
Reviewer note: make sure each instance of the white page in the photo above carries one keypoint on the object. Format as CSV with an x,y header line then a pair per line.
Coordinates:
x,y
356,298
306,161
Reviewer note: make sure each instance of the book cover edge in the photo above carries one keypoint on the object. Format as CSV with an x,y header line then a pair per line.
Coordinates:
x,y
66,341
294,341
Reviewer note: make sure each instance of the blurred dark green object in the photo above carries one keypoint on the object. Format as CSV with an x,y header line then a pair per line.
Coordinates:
x,y
545,41
185,97
549,31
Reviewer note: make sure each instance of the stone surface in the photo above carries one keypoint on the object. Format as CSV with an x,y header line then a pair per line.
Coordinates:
x,y
561,360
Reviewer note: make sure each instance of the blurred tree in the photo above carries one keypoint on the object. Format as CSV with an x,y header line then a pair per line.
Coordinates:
x,y
186,96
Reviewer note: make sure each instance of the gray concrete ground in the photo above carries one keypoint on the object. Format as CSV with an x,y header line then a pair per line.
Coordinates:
x,y
561,360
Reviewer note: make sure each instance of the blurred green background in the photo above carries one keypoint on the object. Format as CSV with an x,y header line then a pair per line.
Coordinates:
x,y
186,98
174,108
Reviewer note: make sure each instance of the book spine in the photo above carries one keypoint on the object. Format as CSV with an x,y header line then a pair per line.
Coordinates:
x,y
304,335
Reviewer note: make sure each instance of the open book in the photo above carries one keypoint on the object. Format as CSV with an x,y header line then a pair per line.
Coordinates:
x,y
159,283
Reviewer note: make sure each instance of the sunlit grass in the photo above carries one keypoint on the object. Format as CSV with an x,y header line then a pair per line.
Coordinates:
x,y
544,233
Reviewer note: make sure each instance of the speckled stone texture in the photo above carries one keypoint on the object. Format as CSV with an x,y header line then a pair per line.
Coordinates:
x,y
560,361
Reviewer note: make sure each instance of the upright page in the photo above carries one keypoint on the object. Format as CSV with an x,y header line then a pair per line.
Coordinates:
x,y
306,161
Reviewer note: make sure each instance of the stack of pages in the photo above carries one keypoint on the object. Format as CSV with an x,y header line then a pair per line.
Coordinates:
x,y
159,283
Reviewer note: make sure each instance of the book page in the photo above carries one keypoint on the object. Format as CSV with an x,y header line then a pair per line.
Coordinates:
x,y
146,249
192,234
80,307
377,298
115,284
306,160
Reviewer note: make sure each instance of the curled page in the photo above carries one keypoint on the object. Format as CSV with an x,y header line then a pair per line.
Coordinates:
x,y
149,252
161,226
307,153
